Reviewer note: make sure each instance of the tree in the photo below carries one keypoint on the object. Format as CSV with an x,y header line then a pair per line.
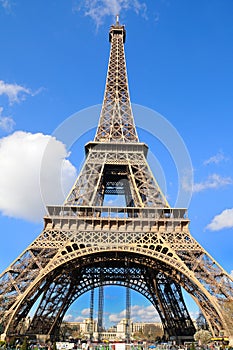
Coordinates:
x,y
25,346
203,337
152,331
138,335
65,331
2,343
149,332
192,347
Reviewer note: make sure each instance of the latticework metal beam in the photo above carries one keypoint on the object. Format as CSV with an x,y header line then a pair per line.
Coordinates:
x,y
91,313
127,318
160,235
100,307
86,243
116,121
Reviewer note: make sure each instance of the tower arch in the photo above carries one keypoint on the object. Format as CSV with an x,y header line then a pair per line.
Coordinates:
x,y
62,284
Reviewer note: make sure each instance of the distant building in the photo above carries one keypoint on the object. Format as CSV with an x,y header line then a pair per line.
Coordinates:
x,y
114,333
141,326
122,325
85,326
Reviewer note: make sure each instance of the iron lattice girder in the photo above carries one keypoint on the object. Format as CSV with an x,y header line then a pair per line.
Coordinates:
x,y
116,122
121,162
70,281
83,234
175,310
159,234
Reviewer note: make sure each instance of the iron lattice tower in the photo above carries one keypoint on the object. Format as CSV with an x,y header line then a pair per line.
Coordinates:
x,y
84,244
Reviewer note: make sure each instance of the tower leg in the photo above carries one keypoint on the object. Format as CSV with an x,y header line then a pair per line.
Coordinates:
x,y
100,312
91,314
128,306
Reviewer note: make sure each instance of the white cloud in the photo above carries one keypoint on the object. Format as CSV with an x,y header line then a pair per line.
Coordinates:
x,y
6,4
71,318
14,92
85,312
78,319
117,316
221,221
214,181
68,318
138,314
6,123
21,157
216,159
156,17
99,9
145,314
194,314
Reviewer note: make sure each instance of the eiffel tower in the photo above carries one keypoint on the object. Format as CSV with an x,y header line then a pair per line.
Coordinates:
x,y
142,244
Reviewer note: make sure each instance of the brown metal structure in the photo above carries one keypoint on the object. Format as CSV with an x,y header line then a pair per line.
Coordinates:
x,y
142,244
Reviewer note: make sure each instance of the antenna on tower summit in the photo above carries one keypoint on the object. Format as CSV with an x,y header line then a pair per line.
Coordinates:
x,y
117,20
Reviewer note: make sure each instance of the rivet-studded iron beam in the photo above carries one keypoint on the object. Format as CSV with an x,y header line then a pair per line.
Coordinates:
x,y
115,212
116,122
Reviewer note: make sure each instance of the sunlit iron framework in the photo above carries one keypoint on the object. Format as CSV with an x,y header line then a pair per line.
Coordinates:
x,y
86,242
127,318
100,309
91,314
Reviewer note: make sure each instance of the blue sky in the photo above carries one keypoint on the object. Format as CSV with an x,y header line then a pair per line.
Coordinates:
x,y
54,57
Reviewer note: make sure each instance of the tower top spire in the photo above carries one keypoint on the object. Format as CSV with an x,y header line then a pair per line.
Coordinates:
x,y
117,28
116,122
117,20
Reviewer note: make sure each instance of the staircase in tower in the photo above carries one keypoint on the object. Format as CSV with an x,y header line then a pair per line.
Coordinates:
x,y
142,243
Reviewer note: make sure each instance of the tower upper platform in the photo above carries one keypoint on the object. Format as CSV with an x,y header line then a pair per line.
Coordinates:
x,y
117,29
